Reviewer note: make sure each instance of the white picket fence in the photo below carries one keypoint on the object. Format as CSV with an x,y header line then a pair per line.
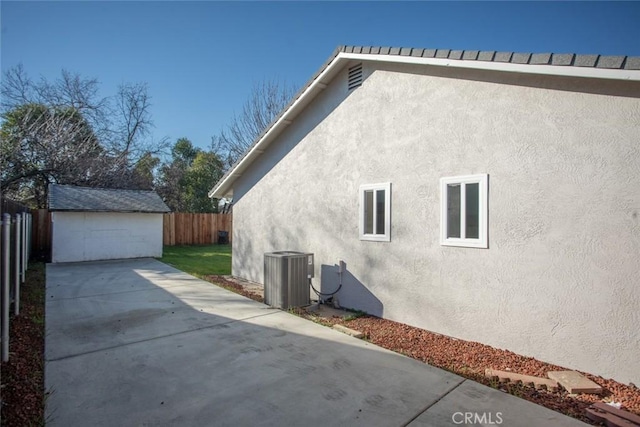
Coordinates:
x,y
16,248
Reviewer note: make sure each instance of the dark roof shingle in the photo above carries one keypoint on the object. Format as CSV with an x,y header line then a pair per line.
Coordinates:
x,y
86,199
612,62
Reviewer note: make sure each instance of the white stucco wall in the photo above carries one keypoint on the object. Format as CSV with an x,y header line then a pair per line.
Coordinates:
x,y
88,236
560,279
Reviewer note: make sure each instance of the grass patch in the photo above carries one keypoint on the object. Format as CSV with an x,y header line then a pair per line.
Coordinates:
x,y
355,314
199,261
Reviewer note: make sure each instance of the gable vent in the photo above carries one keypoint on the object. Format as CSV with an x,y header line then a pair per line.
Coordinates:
x,y
355,76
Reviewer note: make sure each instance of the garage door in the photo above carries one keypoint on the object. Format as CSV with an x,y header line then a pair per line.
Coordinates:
x,y
89,236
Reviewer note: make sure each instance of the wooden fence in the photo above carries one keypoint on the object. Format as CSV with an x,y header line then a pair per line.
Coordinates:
x,y
178,229
41,234
195,228
12,207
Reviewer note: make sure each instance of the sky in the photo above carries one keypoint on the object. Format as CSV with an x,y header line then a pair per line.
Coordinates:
x,y
201,59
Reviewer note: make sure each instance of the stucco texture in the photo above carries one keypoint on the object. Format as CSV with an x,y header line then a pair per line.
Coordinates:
x,y
560,279
90,236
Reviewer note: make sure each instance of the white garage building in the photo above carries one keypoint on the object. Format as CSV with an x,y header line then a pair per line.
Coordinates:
x,y
91,224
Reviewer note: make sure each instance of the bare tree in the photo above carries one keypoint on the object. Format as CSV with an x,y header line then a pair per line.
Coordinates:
x,y
40,145
17,88
133,119
266,100
63,132
70,91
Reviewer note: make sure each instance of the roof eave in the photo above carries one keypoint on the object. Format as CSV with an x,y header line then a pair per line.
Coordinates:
x,y
224,187
547,69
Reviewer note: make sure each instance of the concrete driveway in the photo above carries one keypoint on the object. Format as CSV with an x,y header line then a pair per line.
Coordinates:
x,y
139,343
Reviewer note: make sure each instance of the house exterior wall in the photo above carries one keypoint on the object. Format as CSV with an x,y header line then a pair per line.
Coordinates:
x,y
89,236
560,278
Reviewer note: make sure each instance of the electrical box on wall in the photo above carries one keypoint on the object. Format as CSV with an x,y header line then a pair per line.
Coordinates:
x,y
310,266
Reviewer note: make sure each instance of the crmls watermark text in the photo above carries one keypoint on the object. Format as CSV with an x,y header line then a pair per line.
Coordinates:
x,y
482,418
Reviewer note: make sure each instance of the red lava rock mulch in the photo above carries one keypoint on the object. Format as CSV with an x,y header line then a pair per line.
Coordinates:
x,y
234,287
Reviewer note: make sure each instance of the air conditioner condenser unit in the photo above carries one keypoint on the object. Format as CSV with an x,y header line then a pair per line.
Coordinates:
x,y
286,278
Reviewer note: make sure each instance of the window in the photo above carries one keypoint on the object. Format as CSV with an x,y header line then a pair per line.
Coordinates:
x,y
375,212
463,217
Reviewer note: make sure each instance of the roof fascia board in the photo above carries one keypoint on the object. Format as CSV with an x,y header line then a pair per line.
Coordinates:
x,y
555,70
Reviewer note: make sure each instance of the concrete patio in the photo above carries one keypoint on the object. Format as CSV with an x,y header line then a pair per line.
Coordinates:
x,y
137,342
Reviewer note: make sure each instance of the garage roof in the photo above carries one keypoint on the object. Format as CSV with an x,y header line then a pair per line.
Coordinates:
x,y
85,199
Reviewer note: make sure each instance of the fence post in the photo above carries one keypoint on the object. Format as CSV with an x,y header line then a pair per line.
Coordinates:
x,y
0,284
6,228
23,253
1,223
19,265
29,235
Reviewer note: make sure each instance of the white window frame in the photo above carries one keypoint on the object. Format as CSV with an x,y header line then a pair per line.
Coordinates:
x,y
483,191
386,236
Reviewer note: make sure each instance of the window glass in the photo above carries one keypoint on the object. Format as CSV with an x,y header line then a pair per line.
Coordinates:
x,y
463,211
472,210
453,210
375,212
368,212
380,211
